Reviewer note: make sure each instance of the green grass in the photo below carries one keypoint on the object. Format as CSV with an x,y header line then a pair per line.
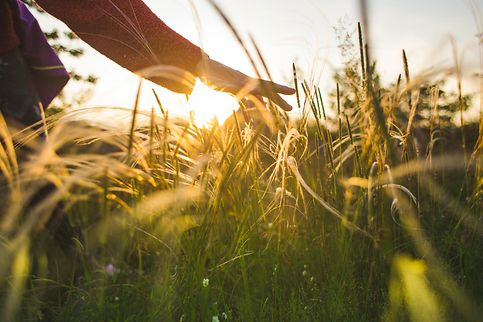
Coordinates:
x,y
243,223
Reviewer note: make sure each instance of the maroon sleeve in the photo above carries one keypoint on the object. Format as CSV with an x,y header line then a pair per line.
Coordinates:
x,y
8,38
129,33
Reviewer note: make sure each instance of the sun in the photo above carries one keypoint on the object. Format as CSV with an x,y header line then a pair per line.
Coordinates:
x,y
208,104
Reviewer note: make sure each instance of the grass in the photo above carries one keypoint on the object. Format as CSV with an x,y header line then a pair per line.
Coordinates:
x,y
166,221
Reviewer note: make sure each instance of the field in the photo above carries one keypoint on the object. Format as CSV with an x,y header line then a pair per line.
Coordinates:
x,y
374,214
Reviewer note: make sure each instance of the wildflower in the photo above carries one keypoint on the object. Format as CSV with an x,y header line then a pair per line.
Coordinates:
x,y
247,134
279,191
312,279
206,282
116,298
215,319
218,155
111,269
40,315
304,273
224,316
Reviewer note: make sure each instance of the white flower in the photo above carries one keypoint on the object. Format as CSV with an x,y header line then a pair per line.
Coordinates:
x,y
304,273
279,191
215,319
116,299
206,282
247,134
111,269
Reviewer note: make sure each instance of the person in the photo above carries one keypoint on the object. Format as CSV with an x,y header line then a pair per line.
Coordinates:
x,y
126,31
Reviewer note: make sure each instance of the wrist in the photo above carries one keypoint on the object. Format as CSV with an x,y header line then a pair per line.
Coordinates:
x,y
203,65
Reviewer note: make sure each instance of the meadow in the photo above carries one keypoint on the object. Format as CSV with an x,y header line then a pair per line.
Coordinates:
x,y
371,214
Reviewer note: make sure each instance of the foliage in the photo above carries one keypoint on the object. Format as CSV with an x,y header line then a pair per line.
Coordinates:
x,y
431,98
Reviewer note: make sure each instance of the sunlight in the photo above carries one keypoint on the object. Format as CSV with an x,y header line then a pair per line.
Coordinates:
x,y
208,104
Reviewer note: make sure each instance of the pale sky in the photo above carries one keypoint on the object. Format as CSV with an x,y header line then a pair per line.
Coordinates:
x,y
301,31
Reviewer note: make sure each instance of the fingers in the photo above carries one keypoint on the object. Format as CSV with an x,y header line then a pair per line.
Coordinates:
x,y
272,91
264,85
278,88
276,99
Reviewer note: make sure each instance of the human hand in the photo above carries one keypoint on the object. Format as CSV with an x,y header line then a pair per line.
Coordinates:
x,y
226,79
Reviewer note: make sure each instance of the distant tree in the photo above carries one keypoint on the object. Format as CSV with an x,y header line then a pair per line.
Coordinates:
x,y
438,104
434,102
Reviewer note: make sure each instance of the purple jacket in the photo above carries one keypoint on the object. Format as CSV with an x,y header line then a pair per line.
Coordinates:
x,y
48,73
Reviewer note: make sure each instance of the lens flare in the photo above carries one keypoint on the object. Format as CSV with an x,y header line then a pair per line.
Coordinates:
x,y
208,104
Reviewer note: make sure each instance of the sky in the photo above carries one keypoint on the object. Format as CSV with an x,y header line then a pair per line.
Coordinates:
x,y
301,31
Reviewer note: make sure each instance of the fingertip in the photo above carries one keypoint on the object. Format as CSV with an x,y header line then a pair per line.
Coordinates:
x,y
284,105
278,100
285,90
281,89
287,108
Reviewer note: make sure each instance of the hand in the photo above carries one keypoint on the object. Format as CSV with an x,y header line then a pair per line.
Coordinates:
x,y
226,79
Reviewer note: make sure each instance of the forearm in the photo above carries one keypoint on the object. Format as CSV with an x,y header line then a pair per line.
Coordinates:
x,y
129,33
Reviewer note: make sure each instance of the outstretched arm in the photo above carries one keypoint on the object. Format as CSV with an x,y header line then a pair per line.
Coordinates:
x,y
129,33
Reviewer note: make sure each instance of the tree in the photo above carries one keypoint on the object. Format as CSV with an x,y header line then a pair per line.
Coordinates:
x,y
432,100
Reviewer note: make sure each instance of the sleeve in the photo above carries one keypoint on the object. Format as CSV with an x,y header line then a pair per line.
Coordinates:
x,y
130,34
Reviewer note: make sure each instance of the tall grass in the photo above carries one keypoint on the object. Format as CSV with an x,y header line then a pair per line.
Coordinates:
x,y
167,221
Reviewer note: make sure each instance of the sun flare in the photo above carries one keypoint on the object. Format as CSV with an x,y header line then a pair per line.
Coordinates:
x,y
208,104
